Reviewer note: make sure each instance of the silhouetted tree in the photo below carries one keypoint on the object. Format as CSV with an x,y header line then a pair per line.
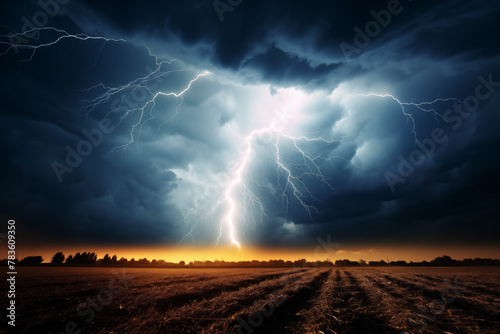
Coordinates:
x,y
77,258
89,258
182,263
398,263
276,263
92,258
378,263
300,263
346,263
327,263
31,260
69,259
444,260
58,258
114,259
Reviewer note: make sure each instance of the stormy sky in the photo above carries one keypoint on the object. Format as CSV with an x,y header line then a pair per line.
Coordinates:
x,y
374,122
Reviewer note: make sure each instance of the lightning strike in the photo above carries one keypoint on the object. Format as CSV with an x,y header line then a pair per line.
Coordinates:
x,y
425,106
292,175
294,183
123,92
35,34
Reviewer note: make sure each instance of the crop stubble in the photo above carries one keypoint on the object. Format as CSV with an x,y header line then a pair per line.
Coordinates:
x,y
266,300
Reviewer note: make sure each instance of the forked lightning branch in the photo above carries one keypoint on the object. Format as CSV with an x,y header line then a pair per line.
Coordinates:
x,y
292,174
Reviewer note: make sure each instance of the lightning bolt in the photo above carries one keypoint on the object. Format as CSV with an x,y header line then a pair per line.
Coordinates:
x,y
100,94
107,93
291,175
35,34
289,172
425,106
150,105
295,165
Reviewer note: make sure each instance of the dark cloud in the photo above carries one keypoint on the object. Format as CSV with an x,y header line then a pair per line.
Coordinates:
x,y
180,149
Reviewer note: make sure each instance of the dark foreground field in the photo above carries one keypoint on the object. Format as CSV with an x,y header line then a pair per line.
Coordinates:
x,y
324,300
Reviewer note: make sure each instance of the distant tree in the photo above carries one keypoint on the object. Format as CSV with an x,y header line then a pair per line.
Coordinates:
x,y
276,263
182,263
444,260
5,262
253,263
31,260
77,258
346,263
122,261
58,258
106,259
92,257
83,258
143,261
378,263
362,262
114,259
398,263
300,263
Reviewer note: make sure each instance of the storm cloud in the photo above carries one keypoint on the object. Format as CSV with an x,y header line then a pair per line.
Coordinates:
x,y
154,172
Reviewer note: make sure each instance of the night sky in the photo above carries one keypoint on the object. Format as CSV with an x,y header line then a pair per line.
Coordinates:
x,y
372,122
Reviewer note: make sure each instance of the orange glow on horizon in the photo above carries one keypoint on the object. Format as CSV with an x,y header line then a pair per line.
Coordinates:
x,y
248,253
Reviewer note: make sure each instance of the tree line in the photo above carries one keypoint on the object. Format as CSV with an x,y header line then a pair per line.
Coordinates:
x,y
90,258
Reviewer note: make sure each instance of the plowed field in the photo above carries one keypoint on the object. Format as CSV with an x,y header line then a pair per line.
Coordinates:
x,y
271,300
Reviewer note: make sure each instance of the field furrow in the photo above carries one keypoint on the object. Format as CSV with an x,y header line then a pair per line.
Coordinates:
x,y
215,314
448,309
283,314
